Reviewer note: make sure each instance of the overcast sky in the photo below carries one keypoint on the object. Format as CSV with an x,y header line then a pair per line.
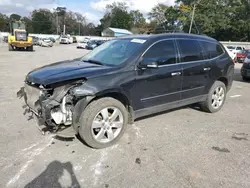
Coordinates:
x,y
92,9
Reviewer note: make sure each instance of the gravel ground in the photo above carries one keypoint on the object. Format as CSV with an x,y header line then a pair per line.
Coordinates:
x,y
180,148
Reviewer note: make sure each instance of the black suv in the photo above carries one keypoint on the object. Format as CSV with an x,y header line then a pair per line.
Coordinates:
x,y
127,78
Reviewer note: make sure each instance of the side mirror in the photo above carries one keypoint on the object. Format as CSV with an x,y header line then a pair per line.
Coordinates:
x,y
148,64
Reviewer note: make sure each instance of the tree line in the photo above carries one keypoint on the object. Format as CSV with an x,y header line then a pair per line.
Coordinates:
x,y
224,20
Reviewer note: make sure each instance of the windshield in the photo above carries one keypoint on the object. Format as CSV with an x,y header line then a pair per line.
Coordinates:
x,y
114,52
91,42
21,35
230,47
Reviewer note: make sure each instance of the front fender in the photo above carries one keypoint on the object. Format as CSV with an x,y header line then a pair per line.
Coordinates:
x,y
90,90
78,109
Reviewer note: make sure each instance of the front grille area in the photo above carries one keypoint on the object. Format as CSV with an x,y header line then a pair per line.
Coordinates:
x,y
32,95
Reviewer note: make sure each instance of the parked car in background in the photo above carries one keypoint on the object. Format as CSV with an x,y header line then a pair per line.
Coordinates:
x,y
241,55
35,40
74,40
66,40
235,49
46,42
92,44
82,44
5,39
128,78
99,42
245,69
52,39
231,54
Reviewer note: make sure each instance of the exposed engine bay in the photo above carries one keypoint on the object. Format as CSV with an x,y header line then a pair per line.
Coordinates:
x,y
53,104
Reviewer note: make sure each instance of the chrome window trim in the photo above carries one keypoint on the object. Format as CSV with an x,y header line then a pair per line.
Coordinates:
x,y
187,62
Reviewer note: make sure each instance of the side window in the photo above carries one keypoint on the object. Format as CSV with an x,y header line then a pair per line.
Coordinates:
x,y
190,50
163,52
238,48
212,50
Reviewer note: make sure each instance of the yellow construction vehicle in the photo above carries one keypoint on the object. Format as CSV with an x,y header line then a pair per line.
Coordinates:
x,y
18,37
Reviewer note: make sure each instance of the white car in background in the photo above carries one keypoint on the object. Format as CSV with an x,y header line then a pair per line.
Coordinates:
x,y
235,49
66,40
230,53
46,42
82,44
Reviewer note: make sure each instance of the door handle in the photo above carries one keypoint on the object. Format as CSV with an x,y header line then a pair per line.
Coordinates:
x,y
207,69
175,73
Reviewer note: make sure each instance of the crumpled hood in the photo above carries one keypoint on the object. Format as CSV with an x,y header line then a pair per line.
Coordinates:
x,y
64,71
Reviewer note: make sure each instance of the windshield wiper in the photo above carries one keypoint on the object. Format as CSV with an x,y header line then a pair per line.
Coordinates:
x,y
94,61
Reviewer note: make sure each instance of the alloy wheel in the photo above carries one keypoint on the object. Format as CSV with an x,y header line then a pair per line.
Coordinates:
x,y
107,124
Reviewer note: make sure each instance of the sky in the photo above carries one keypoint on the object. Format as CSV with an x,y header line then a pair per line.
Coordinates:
x,y
93,10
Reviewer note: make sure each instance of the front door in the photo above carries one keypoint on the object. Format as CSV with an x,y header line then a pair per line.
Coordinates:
x,y
161,85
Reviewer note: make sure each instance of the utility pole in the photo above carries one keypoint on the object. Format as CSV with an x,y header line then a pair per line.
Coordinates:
x,y
57,23
62,12
79,28
64,27
191,24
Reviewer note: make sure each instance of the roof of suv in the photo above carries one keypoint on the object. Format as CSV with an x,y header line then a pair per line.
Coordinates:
x,y
169,35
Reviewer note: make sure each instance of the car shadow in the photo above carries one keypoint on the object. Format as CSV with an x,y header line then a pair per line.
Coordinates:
x,y
192,106
51,175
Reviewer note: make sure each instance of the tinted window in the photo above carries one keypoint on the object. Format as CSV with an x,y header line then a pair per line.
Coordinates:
x,y
190,50
238,48
163,52
230,47
212,50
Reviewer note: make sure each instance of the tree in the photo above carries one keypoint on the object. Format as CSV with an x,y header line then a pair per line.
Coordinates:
x,y
42,21
137,18
4,23
116,16
15,17
28,24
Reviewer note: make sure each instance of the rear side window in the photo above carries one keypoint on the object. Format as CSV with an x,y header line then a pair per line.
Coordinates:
x,y
212,50
163,52
238,48
190,50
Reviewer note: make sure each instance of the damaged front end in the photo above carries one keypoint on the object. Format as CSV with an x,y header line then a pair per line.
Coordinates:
x,y
53,104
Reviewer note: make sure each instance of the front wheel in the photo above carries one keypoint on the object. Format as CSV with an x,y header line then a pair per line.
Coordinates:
x,y
216,98
103,122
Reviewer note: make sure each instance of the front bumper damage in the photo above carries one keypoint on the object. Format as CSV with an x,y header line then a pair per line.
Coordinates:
x,y
52,107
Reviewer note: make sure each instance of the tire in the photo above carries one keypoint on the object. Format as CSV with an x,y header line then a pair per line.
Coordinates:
x,y
91,112
207,105
10,47
245,78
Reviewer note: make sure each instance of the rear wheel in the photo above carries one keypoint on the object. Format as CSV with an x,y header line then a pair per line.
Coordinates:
x,y
216,98
103,122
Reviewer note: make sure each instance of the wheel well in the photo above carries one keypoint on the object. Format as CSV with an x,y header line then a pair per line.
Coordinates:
x,y
123,99
224,80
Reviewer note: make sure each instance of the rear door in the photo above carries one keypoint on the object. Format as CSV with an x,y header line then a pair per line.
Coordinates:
x,y
195,68
212,54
